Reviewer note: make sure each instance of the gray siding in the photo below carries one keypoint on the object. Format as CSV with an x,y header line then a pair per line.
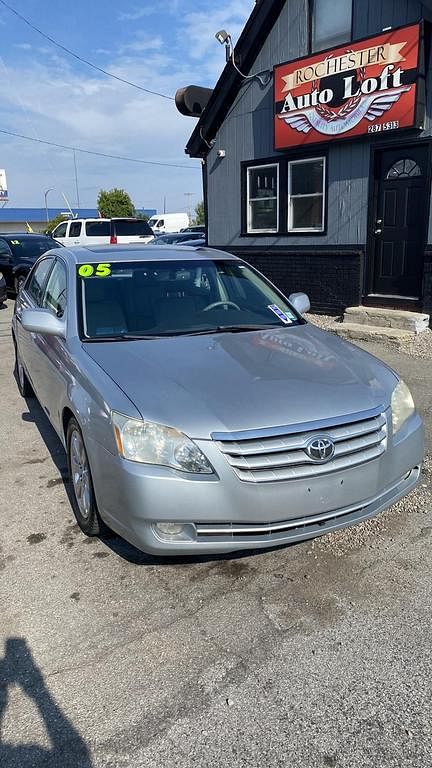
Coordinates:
x,y
247,134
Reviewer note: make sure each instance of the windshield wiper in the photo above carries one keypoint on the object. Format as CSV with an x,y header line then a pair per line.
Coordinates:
x,y
227,329
123,337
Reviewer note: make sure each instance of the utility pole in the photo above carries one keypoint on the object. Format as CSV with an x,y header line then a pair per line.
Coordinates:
x,y
76,180
189,196
164,210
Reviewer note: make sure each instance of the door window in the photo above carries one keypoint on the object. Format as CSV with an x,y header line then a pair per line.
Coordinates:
x,y
36,283
404,169
75,229
54,297
98,228
60,231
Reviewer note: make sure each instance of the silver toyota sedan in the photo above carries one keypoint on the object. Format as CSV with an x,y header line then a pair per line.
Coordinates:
x,y
200,412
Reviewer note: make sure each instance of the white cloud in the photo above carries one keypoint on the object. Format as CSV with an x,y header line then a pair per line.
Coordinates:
x,y
50,97
23,46
136,14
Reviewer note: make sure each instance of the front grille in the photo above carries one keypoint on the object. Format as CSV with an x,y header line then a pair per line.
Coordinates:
x,y
267,459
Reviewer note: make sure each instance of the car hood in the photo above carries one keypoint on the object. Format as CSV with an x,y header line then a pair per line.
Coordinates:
x,y
233,382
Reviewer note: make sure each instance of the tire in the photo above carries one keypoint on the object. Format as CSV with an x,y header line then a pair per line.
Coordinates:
x,y
84,502
19,282
24,386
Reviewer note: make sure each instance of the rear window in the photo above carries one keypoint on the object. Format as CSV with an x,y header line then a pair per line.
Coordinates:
x,y
97,228
126,227
31,247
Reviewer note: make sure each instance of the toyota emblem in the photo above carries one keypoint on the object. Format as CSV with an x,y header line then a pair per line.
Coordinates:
x,y
320,449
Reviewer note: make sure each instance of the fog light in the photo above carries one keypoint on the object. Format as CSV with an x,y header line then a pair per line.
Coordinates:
x,y
170,529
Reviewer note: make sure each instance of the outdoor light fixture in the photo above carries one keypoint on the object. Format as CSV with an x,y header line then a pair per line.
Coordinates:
x,y
224,38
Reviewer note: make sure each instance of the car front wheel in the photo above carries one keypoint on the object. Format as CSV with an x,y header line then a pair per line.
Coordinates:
x,y
84,505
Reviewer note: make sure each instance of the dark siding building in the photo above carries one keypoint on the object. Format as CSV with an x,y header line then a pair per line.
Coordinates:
x,y
346,218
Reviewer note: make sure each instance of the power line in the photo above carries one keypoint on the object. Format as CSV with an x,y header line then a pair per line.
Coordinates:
x,y
79,58
99,154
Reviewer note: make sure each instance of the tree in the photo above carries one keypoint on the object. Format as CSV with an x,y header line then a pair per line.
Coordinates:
x,y
52,223
141,215
199,213
114,202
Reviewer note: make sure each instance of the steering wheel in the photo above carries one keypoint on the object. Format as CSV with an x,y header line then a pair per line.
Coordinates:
x,y
221,303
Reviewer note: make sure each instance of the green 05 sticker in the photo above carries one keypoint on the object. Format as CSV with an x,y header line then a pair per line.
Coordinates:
x,y
94,270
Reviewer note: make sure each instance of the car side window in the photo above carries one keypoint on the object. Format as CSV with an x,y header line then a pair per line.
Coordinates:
x,y
60,231
36,282
75,229
54,296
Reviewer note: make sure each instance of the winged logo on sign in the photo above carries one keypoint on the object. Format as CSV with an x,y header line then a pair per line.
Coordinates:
x,y
369,107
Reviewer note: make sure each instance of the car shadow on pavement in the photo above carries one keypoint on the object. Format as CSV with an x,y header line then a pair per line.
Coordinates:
x,y
112,541
67,748
36,416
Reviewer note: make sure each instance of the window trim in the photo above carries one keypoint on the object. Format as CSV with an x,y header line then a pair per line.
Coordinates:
x,y
29,277
249,168
307,230
282,160
57,261
310,23
58,227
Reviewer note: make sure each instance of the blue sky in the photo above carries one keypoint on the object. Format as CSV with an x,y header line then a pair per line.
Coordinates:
x,y
49,95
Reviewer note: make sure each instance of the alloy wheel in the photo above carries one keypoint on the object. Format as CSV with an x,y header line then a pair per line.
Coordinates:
x,y
80,474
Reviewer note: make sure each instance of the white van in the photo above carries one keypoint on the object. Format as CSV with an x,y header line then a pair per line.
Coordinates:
x,y
102,231
168,222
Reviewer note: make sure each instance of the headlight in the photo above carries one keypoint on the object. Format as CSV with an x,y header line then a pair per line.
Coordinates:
x,y
402,405
150,443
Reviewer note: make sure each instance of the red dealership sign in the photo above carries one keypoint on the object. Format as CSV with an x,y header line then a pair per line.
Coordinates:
x,y
364,87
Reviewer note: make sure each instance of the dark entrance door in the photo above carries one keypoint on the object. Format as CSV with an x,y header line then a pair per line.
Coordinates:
x,y
401,221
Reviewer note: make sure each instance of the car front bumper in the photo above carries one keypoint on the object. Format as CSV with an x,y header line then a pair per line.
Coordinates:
x,y
225,514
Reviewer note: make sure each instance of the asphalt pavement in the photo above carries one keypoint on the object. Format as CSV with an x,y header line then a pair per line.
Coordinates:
x,y
313,655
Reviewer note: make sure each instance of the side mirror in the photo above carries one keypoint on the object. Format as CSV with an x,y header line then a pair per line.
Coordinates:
x,y
43,321
300,302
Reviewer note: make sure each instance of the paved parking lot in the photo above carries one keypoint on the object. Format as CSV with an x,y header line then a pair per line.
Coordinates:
x,y
312,655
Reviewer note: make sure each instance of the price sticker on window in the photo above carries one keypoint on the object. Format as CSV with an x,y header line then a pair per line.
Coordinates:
x,y
94,270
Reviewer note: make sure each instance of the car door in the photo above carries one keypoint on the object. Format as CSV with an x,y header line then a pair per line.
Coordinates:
x,y
60,232
52,372
6,263
30,297
74,233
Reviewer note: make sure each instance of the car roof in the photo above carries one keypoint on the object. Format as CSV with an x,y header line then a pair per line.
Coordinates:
x,y
14,235
138,252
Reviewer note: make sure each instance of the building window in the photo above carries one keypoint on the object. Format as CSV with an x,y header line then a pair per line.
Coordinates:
x,y
306,195
331,23
263,198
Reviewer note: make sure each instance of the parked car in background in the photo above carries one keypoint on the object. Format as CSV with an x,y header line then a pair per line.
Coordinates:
x,y
199,410
176,238
195,228
196,242
168,222
18,253
3,289
103,231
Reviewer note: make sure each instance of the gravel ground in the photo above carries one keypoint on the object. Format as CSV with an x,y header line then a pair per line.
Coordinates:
x,y
419,347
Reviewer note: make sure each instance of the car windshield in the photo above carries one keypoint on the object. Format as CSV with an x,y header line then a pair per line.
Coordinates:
x,y
31,247
179,297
